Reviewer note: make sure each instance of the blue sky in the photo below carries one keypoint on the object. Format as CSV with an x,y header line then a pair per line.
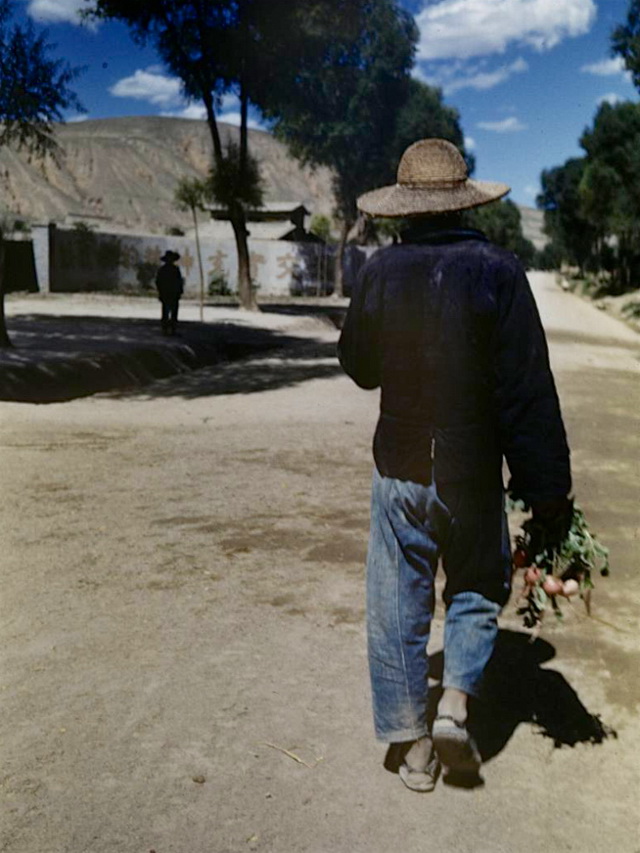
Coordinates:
x,y
526,75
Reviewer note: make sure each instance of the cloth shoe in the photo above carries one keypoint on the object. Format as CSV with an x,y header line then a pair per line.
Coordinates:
x,y
454,745
422,781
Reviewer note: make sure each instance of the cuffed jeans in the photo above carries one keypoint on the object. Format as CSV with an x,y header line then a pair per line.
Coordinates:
x,y
412,526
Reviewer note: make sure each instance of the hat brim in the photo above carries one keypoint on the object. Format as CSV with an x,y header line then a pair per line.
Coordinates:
x,y
403,200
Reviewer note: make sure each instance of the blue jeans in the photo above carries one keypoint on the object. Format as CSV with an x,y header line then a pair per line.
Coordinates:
x,y
412,526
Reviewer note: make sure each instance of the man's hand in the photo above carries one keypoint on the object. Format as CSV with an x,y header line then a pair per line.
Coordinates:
x,y
554,518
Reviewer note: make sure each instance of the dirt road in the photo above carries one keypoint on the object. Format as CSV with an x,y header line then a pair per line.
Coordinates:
x,y
183,662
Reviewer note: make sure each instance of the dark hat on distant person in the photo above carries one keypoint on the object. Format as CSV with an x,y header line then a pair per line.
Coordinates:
x,y
170,256
432,179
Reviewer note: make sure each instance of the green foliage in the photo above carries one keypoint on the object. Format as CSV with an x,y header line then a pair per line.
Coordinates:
x,y
321,226
592,203
631,309
190,193
340,109
34,88
573,236
610,185
625,41
232,181
501,222
390,228
577,558
219,285
548,258
424,114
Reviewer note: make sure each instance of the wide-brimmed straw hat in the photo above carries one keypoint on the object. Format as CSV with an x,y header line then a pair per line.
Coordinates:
x,y
432,179
170,256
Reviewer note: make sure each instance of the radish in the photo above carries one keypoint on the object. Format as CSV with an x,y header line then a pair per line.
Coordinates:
x,y
520,558
552,586
532,576
570,587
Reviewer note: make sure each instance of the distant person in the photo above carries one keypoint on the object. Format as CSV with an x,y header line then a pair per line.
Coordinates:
x,y
446,325
170,286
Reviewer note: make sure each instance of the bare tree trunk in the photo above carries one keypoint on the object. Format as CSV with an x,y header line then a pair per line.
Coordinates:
x,y
246,292
5,340
338,290
199,253
244,141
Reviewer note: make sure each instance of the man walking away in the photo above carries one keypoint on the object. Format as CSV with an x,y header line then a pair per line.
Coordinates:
x,y
446,325
170,286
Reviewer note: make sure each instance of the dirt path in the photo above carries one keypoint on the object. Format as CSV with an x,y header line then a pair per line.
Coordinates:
x,y
182,602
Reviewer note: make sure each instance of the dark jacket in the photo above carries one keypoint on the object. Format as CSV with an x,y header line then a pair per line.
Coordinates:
x,y
169,282
449,329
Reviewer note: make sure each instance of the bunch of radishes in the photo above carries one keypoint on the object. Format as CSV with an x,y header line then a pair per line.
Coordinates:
x,y
558,571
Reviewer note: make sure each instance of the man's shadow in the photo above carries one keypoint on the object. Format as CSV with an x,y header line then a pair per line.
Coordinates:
x,y
516,689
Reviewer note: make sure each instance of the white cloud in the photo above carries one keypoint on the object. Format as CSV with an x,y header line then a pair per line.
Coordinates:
x,y
465,28
531,191
192,111
234,119
610,98
507,125
469,143
198,112
148,85
482,80
606,67
58,11
76,119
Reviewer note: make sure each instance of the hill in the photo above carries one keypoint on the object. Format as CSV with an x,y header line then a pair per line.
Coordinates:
x,y
124,171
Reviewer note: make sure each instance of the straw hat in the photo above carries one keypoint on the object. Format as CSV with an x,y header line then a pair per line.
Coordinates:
x,y
170,256
432,178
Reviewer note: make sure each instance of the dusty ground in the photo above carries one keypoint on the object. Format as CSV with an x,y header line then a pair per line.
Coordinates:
x,y
182,576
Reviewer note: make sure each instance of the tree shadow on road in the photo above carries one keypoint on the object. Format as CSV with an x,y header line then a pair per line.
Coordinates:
x,y
264,371
517,689
58,358
333,315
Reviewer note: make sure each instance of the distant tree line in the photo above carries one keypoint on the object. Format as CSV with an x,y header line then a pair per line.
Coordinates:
x,y
592,203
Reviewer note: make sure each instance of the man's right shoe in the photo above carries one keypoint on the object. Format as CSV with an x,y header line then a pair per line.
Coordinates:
x,y
455,746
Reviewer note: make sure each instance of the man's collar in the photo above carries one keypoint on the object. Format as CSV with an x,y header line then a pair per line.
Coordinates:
x,y
425,234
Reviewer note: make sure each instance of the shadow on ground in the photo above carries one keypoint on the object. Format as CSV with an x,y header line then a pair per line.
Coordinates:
x,y
61,358
517,689
332,314
265,371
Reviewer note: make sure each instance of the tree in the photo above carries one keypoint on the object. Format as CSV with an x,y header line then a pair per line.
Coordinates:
x,y
575,239
189,195
321,227
246,47
34,92
625,41
340,108
424,114
610,185
208,46
502,223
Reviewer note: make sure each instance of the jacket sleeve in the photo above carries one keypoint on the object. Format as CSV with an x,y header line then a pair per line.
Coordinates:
x,y
532,432
359,347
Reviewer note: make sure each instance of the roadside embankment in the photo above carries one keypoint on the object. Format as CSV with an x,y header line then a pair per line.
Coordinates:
x,y
74,346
